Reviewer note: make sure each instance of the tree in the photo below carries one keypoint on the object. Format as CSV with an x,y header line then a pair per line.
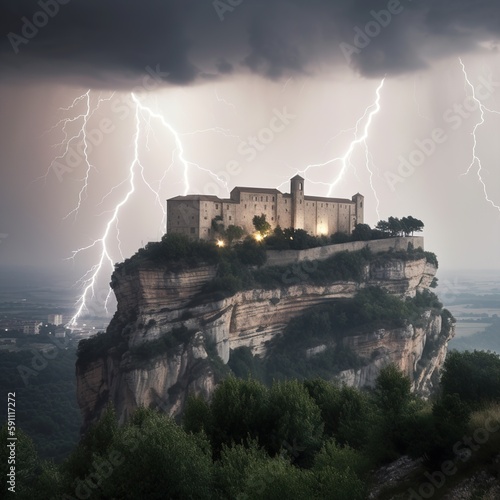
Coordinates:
x,y
474,376
410,225
234,233
392,391
26,463
237,410
392,397
395,227
339,237
383,226
261,225
362,232
293,419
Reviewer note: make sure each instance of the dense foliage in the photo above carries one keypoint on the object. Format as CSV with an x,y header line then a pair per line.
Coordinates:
x,y
175,249
473,376
45,387
295,440
326,325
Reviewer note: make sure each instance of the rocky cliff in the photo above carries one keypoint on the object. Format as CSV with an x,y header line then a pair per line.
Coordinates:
x,y
132,366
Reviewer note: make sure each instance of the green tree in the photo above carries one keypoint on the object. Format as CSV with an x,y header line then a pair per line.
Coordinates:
x,y
395,227
293,421
392,391
250,473
391,396
339,237
149,457
473,376
383,226
450,416
238,409
410,225
26,464
362,232
234,233
261,225
197,415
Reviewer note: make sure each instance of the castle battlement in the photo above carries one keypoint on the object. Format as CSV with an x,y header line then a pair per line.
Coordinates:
x,y
193,214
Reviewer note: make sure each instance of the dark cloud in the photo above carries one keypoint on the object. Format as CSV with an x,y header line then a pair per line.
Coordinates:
x,y
117,42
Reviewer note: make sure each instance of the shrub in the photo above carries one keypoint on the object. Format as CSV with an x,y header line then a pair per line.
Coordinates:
x,y
339,237
473,376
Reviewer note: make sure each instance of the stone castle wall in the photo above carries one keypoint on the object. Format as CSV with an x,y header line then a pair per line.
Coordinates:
x,y
285,257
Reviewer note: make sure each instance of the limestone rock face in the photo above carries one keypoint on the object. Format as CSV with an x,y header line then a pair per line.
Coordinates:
x,y
153,301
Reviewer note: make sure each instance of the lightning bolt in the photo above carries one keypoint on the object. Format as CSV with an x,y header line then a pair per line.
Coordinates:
x,y
89,279
475,158
179,152
143,116
360,138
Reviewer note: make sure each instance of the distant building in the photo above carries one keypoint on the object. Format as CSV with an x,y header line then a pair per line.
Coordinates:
x,y
60,333
55,319
32,328
193,214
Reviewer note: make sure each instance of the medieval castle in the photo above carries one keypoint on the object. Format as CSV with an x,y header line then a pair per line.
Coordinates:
x,y
193,214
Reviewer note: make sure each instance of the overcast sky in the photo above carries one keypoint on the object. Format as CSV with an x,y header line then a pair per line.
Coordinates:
x,y
296,75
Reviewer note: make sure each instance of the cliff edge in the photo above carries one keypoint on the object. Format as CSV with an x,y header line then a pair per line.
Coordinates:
x,y
173,330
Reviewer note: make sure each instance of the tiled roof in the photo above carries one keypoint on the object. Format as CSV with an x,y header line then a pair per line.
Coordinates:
x,y
256,190
328,200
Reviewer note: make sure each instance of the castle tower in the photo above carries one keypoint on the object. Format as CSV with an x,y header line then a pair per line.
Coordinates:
x,y
359,199
297,192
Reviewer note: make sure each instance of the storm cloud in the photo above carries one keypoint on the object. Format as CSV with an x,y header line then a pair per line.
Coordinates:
x,y
114,43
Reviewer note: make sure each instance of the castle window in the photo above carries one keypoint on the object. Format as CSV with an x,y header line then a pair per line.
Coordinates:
x,y
273,198
272,208
178,216
360,204
192,217
206,217
327,205
265,207
230,218
286,201
267,198
206,204
193,230
245,205
300,186
272,218
217,206
322,205
261,198
228,207
301,202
